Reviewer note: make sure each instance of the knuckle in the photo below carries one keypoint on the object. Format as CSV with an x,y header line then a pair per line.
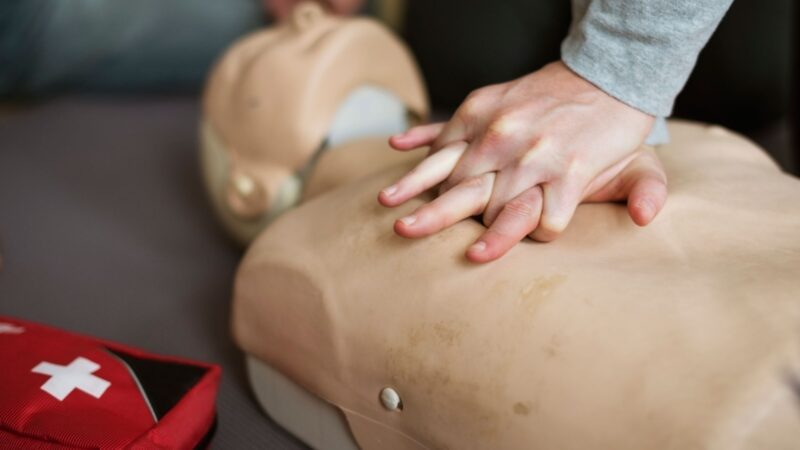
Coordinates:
x,y
472,98
499,237
431,215
542,146
549,226
522,160
468,108
503,124
498,131
575,167
480,93
472,103
543,234
519,208
477,183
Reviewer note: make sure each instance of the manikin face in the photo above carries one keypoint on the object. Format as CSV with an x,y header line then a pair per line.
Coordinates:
x,y
280,97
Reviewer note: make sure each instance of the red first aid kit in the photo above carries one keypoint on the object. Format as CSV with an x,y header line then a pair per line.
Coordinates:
x,y
62,390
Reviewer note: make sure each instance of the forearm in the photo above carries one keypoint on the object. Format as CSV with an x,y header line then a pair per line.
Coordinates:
x,y
640,51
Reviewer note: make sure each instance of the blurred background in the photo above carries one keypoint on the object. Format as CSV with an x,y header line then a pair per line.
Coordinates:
x,y
104,224
52,47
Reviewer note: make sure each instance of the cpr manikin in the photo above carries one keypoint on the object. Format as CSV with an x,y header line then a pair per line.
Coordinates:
x,y
280,98
684,334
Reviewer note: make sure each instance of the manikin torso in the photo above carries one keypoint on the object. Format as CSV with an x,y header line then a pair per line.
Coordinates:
x,y
684,334
681,335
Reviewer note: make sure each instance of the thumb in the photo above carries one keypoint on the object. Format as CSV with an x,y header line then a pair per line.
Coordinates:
x,y
643,183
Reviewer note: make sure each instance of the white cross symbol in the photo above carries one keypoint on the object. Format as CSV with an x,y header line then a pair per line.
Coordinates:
x,y
10,328
77,375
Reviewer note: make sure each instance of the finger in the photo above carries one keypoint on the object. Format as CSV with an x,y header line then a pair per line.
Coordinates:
x,y
497,150
608,185
454,130
416,137
468,116
646,199
509,183
645,165
472,114
473,162
560,201
465,200
478,158
527,170
427,174
518,217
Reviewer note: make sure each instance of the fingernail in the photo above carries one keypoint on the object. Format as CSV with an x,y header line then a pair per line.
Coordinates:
x,y
389,191
478,247
408,220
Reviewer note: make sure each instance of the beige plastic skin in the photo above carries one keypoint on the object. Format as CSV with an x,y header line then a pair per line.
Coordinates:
x,y
684,334
270,100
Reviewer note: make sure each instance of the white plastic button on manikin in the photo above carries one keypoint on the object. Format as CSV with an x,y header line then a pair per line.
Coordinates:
x,y
391,399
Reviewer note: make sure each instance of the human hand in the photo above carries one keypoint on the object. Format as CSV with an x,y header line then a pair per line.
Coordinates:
x,y
281,9
526,153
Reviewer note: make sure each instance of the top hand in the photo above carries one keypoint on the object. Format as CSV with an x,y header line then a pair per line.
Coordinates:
x,y
526,153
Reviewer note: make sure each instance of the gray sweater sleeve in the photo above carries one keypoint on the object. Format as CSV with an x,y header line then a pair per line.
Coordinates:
x,y
640,51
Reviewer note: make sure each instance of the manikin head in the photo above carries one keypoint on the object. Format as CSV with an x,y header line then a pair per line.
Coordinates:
x,y
281,96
